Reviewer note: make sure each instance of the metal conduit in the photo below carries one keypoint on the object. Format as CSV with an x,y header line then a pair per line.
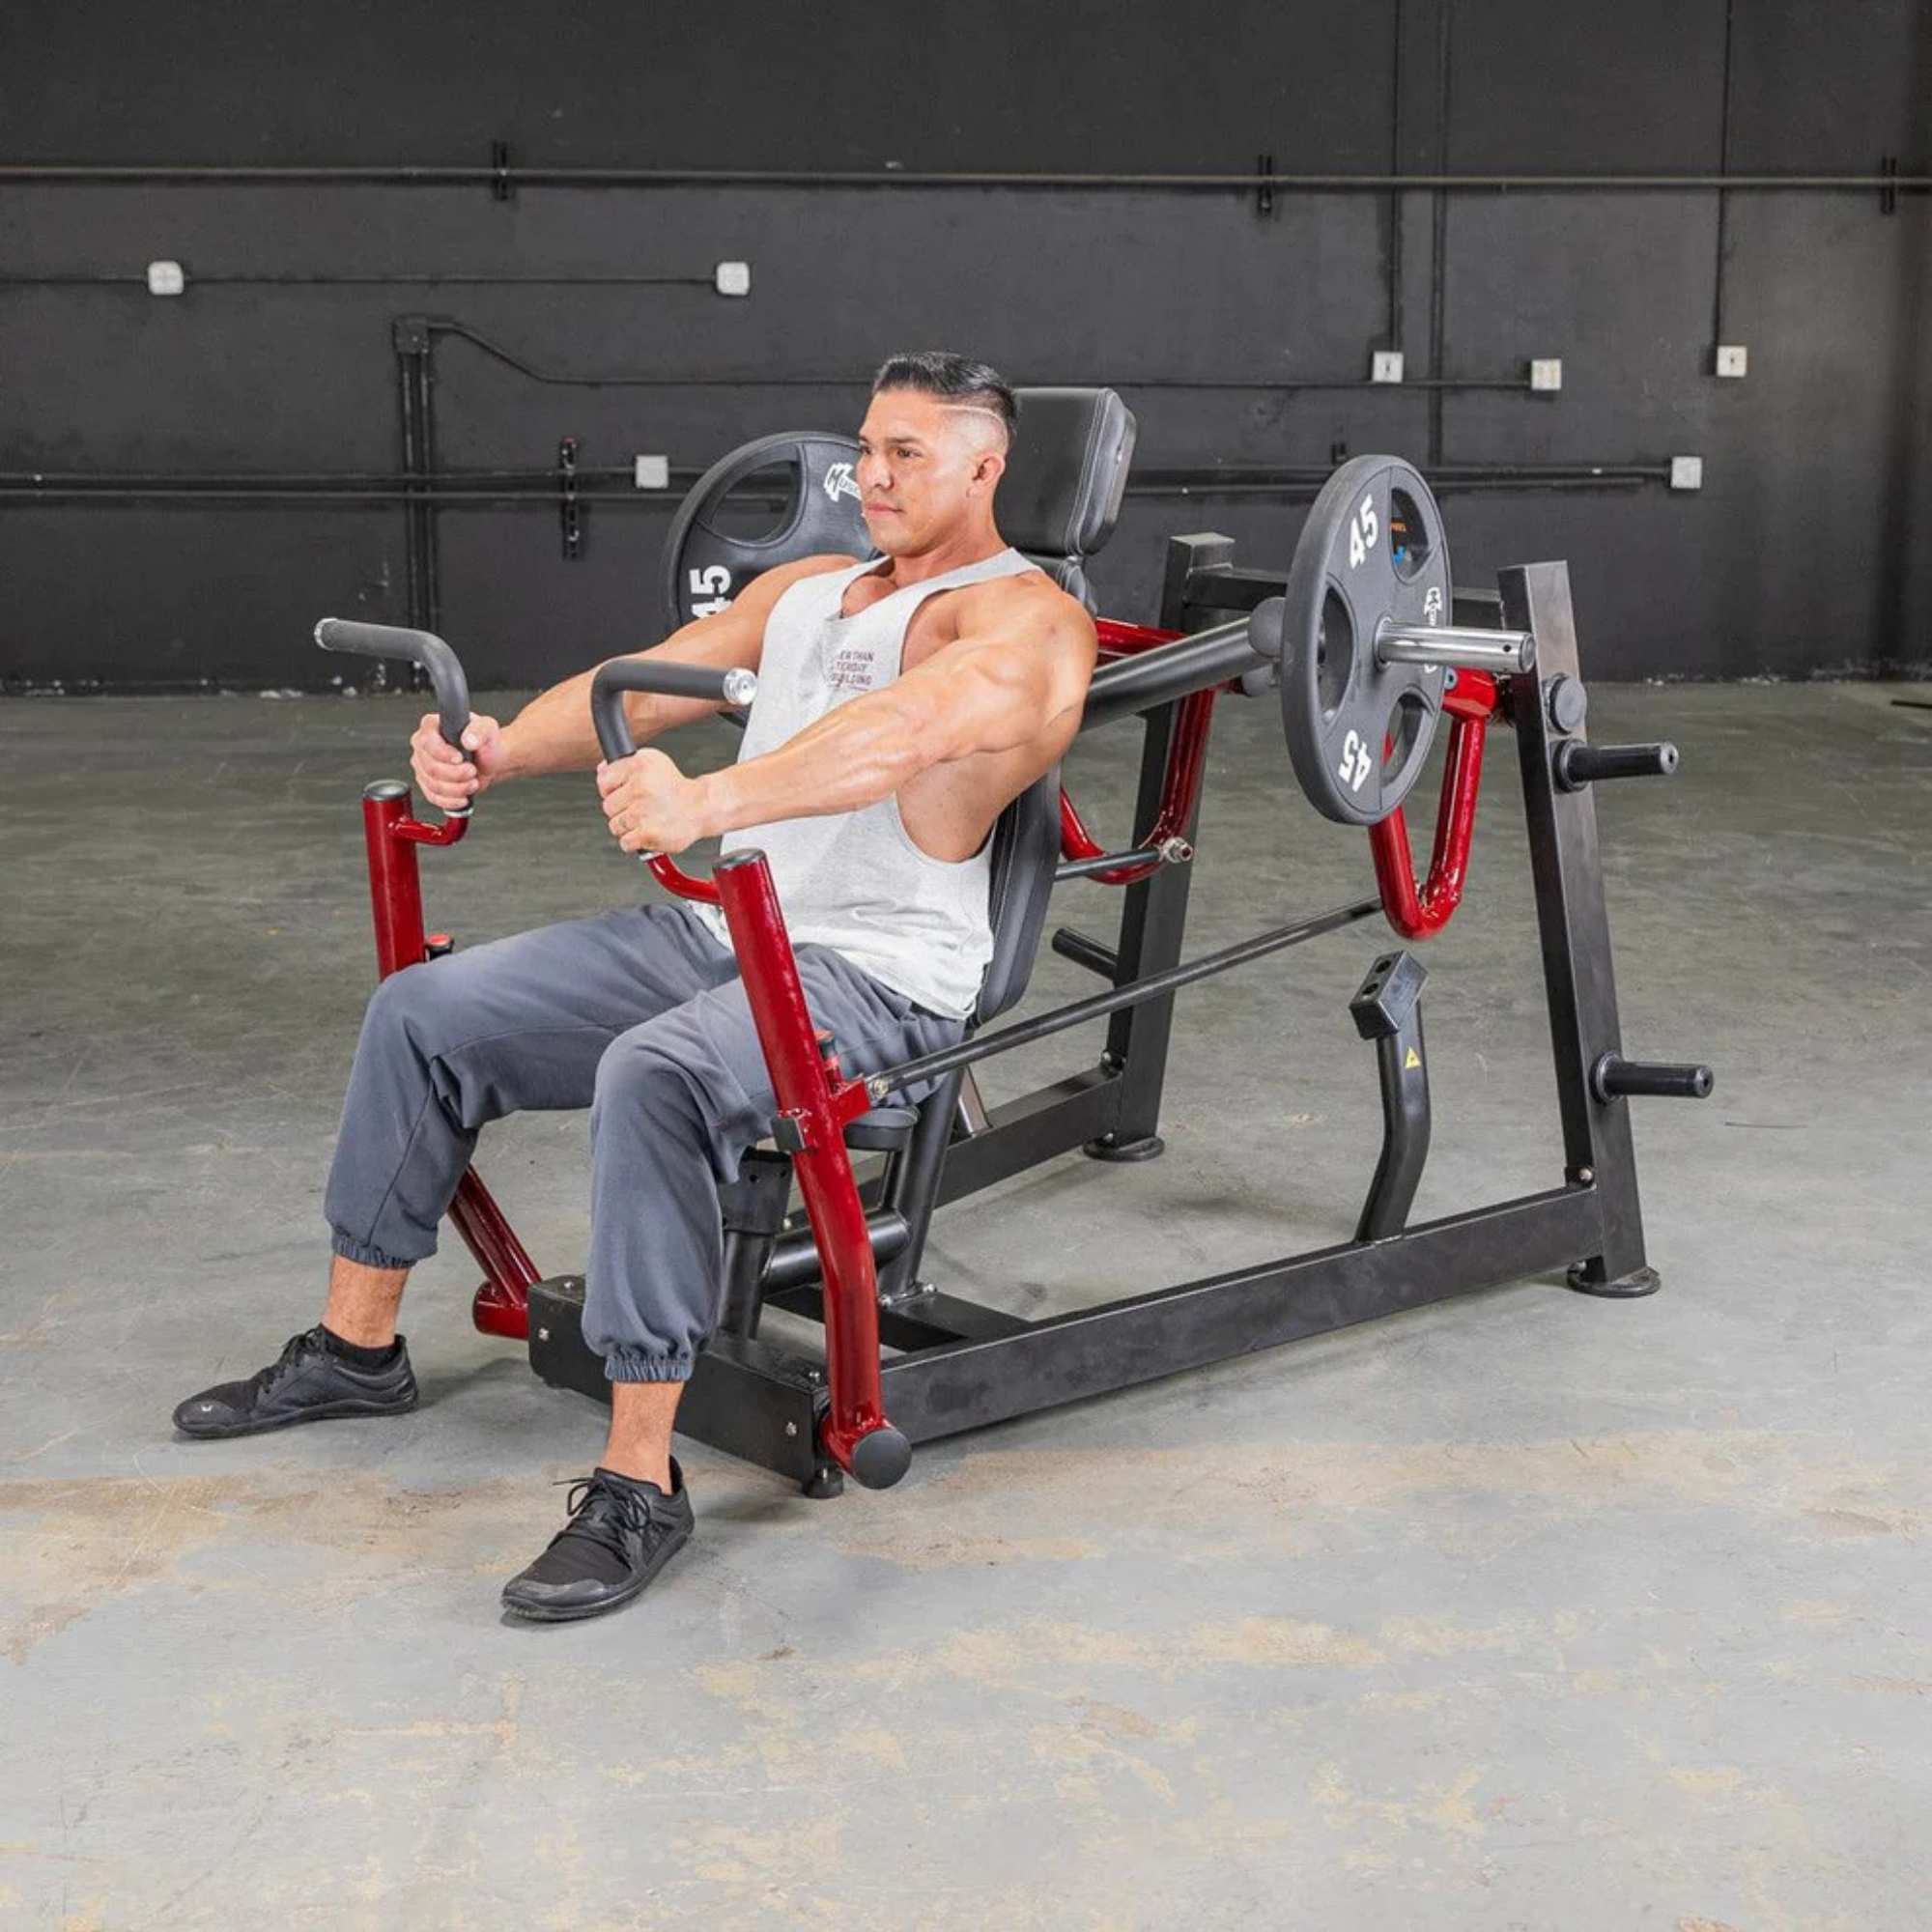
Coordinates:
x,y
168,173
542,490
200,279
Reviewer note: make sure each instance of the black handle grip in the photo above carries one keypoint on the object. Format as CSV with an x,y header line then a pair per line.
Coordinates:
x,y
667,678
1578,765
1614,1077
422,648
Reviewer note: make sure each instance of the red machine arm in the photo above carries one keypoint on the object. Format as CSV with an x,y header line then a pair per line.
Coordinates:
x,y
1421,914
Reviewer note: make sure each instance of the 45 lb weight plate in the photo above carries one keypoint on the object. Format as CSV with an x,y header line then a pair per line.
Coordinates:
x,y
1371,559
715,548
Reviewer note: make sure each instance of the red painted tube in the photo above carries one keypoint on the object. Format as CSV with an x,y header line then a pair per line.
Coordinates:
x,y
1477,697
1075,840
818,1103
1127,640
419,833
390,835
1179,793
675,880
1421,914
1181,785
501,1306
395,886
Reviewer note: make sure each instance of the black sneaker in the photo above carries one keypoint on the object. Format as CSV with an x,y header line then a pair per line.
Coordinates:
x,y
306,1382
621,1534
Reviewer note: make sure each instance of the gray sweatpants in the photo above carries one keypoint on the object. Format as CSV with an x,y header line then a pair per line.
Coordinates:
x,y
641,1016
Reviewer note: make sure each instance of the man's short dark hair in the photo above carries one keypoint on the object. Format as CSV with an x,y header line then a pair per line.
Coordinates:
x,y
964,384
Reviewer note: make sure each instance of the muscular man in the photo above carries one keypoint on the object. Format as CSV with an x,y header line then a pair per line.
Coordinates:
x,y
901,705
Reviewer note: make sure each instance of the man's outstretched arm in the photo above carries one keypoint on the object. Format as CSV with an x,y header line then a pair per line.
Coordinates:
x,y
1005,681
553,731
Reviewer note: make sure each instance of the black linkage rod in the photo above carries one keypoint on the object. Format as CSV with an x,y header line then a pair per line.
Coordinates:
x,y
967,1053
1107,862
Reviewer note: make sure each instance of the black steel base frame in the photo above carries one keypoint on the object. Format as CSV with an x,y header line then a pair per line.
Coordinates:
x,y
961,1366
968,1365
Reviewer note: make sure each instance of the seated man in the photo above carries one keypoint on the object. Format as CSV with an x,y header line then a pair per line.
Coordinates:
x,y
901,705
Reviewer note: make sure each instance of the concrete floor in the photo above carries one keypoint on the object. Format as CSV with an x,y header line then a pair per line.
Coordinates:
x,y
1530,1610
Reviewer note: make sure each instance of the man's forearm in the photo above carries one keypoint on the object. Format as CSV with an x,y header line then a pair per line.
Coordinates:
x,y
554,732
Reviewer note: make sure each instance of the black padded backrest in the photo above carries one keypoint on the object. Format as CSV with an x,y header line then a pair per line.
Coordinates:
x,y
1058,503
1026,851
1066,476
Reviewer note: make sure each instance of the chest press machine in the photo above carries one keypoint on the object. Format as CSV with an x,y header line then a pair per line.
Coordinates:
x,y
1368,647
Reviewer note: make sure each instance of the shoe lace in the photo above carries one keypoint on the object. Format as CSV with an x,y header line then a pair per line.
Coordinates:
x,y
264,1379
602,1512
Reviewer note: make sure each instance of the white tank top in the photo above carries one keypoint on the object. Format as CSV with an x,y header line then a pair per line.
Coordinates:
x,y
854,880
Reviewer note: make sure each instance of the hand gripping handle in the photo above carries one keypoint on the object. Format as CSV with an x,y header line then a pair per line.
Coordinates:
x,y
419,647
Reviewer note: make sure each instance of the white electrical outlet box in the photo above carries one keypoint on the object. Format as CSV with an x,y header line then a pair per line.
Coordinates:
x,y
1546,372
1733,358
1687,472
733,278
1385,366
165,279
652,472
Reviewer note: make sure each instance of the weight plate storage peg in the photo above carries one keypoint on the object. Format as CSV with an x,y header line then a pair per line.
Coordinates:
x,y
707,562
1371,563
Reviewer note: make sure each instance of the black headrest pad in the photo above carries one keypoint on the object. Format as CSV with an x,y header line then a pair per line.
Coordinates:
x,y
1066,473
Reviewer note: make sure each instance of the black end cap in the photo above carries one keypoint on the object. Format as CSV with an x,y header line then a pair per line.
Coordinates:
x,y
880,1458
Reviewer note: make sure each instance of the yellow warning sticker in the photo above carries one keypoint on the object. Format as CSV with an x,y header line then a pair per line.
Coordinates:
x,y
1414,1060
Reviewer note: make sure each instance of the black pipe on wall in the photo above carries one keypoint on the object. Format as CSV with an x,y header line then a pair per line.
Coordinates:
x,y
162,174
360,493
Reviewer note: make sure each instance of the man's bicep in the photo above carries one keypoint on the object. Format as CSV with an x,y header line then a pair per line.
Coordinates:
x,y
731,638
994,693
1042,662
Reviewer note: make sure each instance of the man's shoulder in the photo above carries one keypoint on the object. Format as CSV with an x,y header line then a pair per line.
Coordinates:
x,y
759,597
1035,595
821,565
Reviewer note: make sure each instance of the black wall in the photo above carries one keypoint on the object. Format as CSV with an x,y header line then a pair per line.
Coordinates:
x,y
1801,555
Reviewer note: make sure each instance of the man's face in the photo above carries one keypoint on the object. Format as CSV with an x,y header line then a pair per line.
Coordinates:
x,y
923,467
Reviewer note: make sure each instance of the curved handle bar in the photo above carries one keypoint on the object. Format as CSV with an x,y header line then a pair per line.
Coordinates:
x,y
419,647
667,678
